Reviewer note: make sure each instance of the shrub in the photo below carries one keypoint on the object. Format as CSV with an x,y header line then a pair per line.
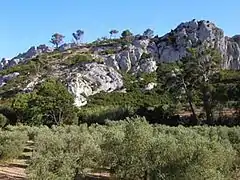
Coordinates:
x,y
9,113
146,56
50,104
182,154
11,144
3,120
100,114
63,152
79,58
134,149
138,151
109,51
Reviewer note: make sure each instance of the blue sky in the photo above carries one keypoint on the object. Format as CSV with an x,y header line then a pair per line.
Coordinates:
x,y
31,22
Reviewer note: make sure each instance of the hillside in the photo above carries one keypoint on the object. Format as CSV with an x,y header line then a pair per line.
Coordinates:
x,y
90,68
127,72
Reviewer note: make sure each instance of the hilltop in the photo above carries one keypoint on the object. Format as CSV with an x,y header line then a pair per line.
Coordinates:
x,y
87,69
117,72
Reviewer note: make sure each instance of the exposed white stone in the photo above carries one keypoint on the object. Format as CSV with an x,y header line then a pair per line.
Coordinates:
x,y
23,57
93,78
150,86
148,65
33,82
5,63
112,62
4,79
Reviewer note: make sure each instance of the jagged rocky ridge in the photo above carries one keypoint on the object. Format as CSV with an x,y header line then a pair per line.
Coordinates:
x,y
142,55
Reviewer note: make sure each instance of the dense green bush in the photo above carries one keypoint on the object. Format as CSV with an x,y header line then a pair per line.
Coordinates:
x,y
31,131
3,120
108,51
131,99
12,144
9,113
50,104
99,114
229,76
62,153
134,149
181,154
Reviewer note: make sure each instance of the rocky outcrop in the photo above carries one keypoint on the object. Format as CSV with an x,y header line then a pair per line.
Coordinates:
x,y
66,46
150,86
173,46
4,63
132,59
90,79
168,48
4,79
22,57
44,49
34,51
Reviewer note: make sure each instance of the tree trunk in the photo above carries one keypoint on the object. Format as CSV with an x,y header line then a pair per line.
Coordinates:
x,y
146,175
207,105
195,119
189,98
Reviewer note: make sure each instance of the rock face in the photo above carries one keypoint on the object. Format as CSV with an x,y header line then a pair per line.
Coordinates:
x,y
30,53
4,79
8,63
34,51
66,46
173,46
192,34
44,49
133,59
92,78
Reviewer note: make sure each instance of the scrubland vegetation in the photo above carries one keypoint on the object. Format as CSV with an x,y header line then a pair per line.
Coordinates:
x,y
129,149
